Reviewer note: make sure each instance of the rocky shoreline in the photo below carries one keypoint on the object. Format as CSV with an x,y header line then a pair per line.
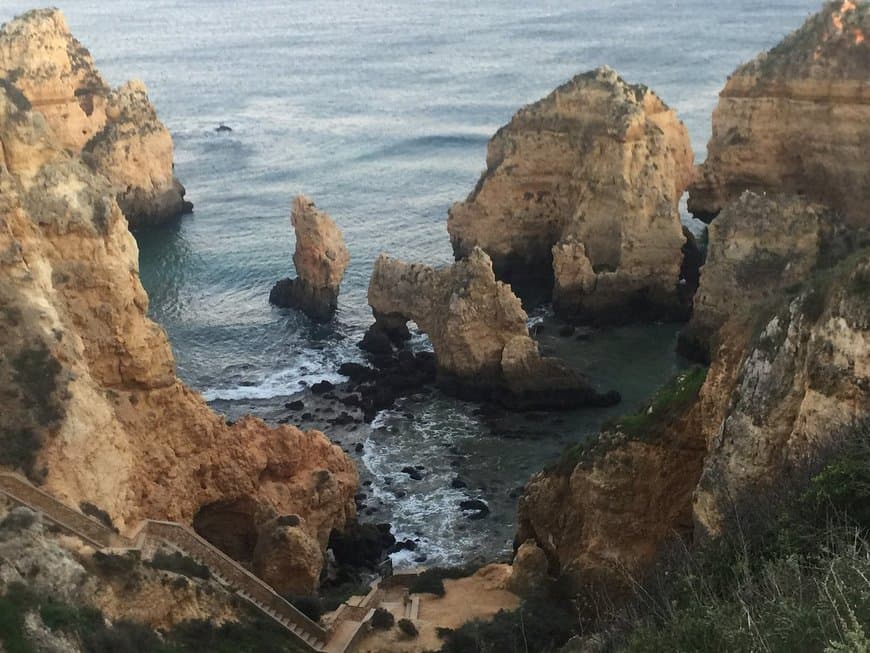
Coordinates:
x,y
580,201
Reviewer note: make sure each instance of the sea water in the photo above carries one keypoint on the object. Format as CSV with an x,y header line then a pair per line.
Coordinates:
x,y
381,111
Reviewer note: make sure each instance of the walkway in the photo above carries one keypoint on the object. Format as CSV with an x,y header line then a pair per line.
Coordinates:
x,y
347,627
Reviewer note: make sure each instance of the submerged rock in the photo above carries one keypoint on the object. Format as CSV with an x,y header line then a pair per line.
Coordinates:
x,y
581,192
118,131
796,120
478,331
321,258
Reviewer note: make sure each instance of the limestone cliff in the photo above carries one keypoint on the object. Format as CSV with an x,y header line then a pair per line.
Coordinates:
x,y
478,331
759,246
92,406
797,120
119,129
582,188
321,257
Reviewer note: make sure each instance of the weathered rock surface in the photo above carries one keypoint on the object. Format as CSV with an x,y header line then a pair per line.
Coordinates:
x,y
287,557
321,258
92,406
759,246
582,188
478,331
119,129
797,120
803,388
774,400
528,569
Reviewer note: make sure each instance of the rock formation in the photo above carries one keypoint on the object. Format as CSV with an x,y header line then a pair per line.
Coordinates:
x,y
321,258
582,190
797,120
781,391
118,129
758,247
478,331
92,406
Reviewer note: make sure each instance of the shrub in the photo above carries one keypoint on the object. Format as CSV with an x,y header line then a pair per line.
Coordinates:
x,y
99,514
310,606
13,606
431,581
178,563
408,628
383,619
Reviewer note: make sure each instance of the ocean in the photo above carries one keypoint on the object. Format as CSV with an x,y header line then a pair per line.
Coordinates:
x,y
380,112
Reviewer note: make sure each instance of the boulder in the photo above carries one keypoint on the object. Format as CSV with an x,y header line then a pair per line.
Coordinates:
x,y
478,331
581,193
117,131
796,120
288,558
528,570
321,258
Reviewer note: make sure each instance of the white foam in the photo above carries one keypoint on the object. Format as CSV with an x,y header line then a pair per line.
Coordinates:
x,y
278,384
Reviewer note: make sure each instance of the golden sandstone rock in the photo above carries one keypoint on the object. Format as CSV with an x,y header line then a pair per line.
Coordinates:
x,y
581,191
321,257
796,120
92,406
119,129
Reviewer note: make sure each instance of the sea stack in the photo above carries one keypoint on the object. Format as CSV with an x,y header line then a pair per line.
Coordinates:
x,y
118,131
478,331
581,195
321,258
796,120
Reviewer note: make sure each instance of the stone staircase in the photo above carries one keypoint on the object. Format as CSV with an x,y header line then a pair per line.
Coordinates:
x,y
344,632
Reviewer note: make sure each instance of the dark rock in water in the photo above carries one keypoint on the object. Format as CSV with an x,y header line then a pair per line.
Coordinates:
x,y
457,483
421,558
342,420
566,331
413,472
356,372
294,405
376,341
406,545
359,447
352,400
475,508
400,494
322,387
223,128
317,303
284,420
361,545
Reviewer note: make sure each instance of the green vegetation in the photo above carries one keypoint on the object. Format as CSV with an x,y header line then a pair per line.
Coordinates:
x,y
791,574
382,619
13,606
35,372
668,404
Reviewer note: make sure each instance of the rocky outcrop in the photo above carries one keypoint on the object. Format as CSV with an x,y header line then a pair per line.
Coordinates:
x,y
92,406
797,120
803,389
781,393
321,258
759,246
582,190
119,130
478,331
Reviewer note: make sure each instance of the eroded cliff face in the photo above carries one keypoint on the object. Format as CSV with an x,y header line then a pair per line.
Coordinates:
x,y
119,129
321,257
803,387
92,407
797,120
784,311
583,186
478,331
759,246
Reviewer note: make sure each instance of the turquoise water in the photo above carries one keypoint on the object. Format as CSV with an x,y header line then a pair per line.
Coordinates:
x,y
381,111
